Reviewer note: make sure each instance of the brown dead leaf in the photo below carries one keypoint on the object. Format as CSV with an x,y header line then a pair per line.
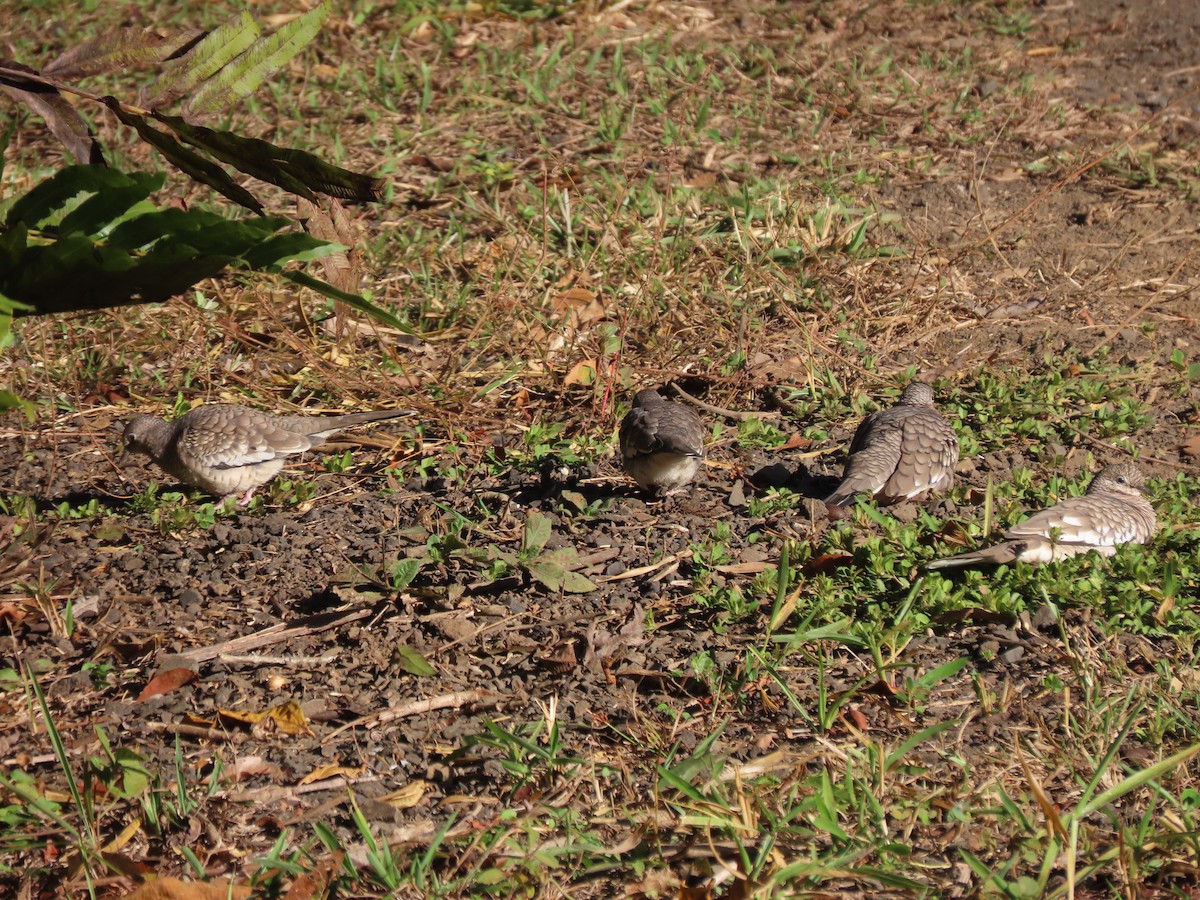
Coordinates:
x,y
406,797
560,658
174,889
247,766
342,268
1191,447
14,612
796,442
165,682
577,307
858,718
582,373
287,717
332,770
437,163
315,884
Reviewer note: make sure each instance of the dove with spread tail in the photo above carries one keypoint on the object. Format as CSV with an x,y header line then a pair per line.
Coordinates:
x,y
227,449
898,453
662,443
1112,512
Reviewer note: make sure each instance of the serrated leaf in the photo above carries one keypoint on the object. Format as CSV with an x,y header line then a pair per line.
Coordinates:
x,y
293,170
209,56
538,529
61,117
578,583
553,569
404,571
187,161
325,178
12,248
249,155
548,573
243,75
413,662
126,48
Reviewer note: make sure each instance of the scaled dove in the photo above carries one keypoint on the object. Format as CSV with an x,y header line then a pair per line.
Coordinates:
x,y
662,443
227,449
898,453
1112,512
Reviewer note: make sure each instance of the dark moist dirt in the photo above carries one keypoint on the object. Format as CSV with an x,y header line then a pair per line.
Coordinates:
x,y
145,600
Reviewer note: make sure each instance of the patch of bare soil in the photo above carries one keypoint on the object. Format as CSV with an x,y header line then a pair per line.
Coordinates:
x,y
297,604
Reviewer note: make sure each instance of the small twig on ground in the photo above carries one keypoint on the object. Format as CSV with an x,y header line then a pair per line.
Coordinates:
x,y
294,661
197,731
674,559
276,633
738,416
271,794
452,700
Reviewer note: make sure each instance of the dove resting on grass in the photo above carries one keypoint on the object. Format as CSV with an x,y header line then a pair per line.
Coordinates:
x,y
228,450
1113,511
662,443
898,453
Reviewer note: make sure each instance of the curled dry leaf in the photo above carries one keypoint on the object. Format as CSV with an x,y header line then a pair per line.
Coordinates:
x,y
406,797
333,770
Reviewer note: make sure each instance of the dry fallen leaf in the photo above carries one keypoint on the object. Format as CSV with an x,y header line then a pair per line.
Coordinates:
x,y
406,797
1191,447
174,889
245,766
287,717
316,883
331,771
165,682
796,441
583,373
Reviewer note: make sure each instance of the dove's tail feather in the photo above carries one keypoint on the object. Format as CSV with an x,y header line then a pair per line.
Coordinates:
x,y
324,426
351,419
999,554
844,495
953,562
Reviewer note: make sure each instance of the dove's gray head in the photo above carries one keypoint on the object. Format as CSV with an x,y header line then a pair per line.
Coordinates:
x,y
917,394
146,435
648,397
1119,478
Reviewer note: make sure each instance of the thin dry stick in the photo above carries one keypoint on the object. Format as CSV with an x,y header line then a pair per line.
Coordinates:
x,y
736,415
271,794
296,661
197,731
276,633
452,700
646,570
